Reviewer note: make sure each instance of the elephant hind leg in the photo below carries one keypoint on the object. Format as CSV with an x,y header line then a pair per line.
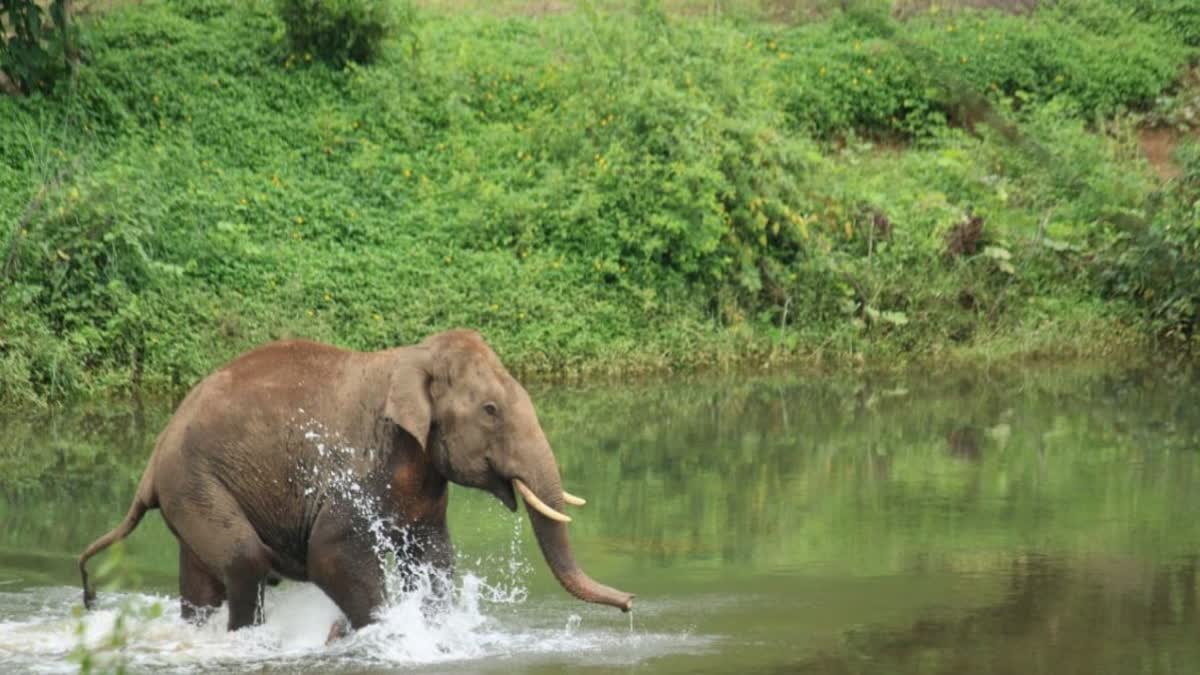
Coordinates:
x,y
223,541
245,579
200,591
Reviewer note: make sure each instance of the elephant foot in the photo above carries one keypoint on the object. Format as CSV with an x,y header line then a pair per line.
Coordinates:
x,y
339,630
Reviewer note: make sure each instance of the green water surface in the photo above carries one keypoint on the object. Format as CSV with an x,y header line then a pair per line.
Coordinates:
x,y
1045,521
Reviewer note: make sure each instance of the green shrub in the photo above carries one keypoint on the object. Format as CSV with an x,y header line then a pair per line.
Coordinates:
x,y
1156,266
1181,18
37,44
907,78
337,31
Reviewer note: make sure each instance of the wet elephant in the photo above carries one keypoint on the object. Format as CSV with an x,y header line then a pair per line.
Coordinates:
x,y
262,471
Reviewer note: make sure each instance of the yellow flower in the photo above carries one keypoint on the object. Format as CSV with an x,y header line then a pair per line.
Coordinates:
x,y
962,59
822,71
408,173
310,312
328,297
299,220
377,317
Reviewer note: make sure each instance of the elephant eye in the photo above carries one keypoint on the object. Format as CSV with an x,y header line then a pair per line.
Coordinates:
x,y
490,408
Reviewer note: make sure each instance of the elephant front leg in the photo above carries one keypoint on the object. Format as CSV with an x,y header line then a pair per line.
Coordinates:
x,y
346,567
353,580
427,560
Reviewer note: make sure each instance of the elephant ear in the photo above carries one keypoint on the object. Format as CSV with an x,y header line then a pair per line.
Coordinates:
x,y
408,405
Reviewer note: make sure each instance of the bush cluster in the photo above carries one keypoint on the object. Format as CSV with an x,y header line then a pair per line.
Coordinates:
x,y
337,31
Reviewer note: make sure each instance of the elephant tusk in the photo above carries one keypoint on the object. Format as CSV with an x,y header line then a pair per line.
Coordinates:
x,y
572,499
532,500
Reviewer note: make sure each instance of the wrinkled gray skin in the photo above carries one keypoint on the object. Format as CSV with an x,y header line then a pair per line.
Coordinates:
x,y
247,471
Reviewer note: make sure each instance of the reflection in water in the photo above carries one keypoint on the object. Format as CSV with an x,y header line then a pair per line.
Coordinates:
x,y
1057,616
1025,523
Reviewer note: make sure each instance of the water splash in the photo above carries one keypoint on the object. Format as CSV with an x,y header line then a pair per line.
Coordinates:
x,y
429,616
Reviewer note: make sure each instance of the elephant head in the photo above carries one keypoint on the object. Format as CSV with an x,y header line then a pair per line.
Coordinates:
x,y
480,430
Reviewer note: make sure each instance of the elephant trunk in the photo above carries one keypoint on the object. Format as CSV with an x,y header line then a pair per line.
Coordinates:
x,y
552,539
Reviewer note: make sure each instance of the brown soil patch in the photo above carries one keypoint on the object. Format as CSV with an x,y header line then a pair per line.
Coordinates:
x,y
1157,145
500,7
907,8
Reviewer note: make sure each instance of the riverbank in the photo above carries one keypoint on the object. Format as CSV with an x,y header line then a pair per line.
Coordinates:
x,y
598,193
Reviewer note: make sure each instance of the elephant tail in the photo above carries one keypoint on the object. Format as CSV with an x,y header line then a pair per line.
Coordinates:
x,y
143,502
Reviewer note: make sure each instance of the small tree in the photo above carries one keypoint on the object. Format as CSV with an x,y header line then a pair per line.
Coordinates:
x,y
37,44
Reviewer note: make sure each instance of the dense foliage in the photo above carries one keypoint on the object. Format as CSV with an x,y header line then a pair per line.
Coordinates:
x,y
596,192
879,78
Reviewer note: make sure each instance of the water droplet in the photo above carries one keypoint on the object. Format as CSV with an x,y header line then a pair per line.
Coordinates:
x,y
573,622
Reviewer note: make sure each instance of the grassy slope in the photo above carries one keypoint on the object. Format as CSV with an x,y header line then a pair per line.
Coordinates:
x,y
596,194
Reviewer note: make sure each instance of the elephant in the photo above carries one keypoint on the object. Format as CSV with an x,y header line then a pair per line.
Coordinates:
x,y
262,470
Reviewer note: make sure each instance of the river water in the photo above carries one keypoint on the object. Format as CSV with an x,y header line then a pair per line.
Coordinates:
x,y
1032,522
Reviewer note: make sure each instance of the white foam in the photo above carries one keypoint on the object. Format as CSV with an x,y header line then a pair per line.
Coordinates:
x,y
479,621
